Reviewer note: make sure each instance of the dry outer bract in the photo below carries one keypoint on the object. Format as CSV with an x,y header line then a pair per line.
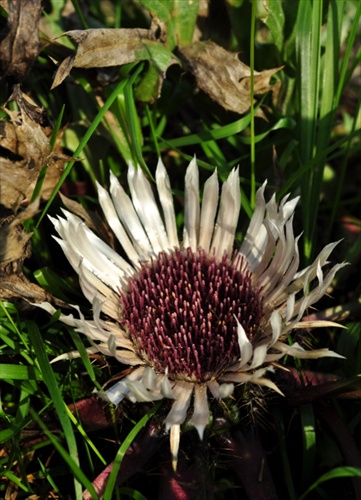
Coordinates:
x,y
99,48
221,75
20,47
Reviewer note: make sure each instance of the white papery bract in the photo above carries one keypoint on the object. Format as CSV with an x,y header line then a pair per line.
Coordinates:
x,y
192,317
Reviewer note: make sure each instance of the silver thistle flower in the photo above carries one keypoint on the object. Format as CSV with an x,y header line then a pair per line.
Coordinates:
x,y
192,318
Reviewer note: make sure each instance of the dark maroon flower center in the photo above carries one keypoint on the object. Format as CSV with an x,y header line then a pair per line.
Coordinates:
x,y
180,312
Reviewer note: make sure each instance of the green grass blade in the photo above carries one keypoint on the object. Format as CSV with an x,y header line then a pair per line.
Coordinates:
x,y
78,342
79,11
131,493
210,135
152,130
274,17
16,372
78,474
56,396
56,129
342,81
14,479
309,441
308,46
252,115
85,436
291,181
329,75
119,88
335,473
308,54
133,121
350,45
123,449
39,183
53,283
48,477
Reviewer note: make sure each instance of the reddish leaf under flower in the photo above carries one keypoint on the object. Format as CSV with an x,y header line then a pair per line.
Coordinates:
x,y
313,386
180,485
137,455
93,413
248,459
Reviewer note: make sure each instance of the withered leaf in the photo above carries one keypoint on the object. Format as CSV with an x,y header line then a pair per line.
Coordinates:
x,y
223,76
16,288
105,47
15,247
20,47
13,238
36,114
24,150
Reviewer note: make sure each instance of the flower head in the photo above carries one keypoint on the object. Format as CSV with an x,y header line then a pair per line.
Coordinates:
x,y
196,317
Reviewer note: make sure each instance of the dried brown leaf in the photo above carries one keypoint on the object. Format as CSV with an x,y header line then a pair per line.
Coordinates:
x,y
25,149
20,47
99,48
14,239
15,247
104,47
36,114
223,76
18,289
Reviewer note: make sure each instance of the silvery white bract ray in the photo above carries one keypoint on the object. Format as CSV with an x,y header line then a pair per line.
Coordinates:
x,y
192,317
